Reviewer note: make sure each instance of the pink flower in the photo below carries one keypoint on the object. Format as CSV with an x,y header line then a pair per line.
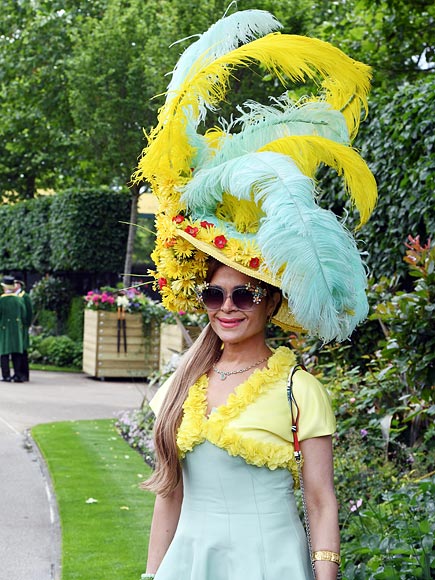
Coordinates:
x,y
104,297
355,505
95,298
110,299
352,400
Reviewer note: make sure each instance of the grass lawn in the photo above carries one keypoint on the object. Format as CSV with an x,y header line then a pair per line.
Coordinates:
x,y
52,368
105,539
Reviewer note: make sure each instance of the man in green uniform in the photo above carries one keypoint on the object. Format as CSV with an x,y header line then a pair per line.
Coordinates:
x,y
20,291
12,314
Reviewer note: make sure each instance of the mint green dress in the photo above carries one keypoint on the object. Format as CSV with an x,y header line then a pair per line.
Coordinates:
x,y
238,522
239,519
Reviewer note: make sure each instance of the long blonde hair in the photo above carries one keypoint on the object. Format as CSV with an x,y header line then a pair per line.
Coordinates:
x,y
197,361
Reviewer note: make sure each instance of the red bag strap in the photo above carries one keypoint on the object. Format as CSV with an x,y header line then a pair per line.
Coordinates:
x,y
295,418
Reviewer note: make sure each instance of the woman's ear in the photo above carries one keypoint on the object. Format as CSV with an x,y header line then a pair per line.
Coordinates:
x,y
275,303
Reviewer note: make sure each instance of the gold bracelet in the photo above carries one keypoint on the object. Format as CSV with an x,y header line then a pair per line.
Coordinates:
x,y
328,556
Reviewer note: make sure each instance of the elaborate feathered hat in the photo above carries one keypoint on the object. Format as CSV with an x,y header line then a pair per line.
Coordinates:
x,y
245,192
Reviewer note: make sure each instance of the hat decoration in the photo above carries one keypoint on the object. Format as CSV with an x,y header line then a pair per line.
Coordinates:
x,y
245,192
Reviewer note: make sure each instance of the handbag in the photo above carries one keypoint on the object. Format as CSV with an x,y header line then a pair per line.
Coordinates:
x,y
298,458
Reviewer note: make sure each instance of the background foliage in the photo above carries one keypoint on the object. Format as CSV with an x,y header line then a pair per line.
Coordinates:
x,y
78,79
398,143
73,231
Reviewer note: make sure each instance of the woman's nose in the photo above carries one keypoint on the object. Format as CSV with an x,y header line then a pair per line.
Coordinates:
x,y
228,303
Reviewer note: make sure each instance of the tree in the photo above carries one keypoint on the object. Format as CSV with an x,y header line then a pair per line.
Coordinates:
x,y
116,68
394,36
35,122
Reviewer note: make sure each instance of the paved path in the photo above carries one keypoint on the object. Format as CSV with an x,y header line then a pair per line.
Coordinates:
x,y
29,527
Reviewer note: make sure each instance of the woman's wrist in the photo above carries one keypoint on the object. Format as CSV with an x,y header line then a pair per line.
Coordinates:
x,y
326,556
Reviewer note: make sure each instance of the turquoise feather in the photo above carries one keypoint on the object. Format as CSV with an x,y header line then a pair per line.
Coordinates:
x,y
224,36
323,276
263,124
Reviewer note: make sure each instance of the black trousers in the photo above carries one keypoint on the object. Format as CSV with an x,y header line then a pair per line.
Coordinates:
x,y
17,363
25,366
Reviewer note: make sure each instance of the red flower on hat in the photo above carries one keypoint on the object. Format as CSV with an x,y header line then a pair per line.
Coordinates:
x,y
220,242
178,219
192,231
162,282
205,224
169,243
254,263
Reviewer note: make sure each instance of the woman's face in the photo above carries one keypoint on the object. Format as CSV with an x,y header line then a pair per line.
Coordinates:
x,y
231,324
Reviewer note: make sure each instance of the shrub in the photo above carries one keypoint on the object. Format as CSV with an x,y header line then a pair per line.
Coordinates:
x,y
69,231
32,250
33,351
47,319
398,143
74,323
392,539
44,346
93,239
51,293
64,352
60,351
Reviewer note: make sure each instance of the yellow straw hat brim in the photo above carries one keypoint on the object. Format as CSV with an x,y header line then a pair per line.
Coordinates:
x,y
283,317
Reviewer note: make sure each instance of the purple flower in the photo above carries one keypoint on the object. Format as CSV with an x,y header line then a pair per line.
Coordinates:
x,y
364,432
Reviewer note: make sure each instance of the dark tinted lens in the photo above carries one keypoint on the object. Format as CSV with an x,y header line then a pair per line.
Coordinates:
x,y
213,298
243,299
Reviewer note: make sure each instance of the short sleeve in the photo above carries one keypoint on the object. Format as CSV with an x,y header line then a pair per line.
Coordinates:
x,y
316,417
157,401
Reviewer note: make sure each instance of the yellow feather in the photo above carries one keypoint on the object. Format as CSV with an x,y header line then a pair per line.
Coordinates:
x,y
345,83
245,215
309,151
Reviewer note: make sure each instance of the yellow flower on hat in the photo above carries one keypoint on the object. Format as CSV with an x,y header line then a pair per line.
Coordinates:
x,y
182,249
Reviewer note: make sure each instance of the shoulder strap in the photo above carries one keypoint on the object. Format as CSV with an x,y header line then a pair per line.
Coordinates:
x,y
295,418
298,456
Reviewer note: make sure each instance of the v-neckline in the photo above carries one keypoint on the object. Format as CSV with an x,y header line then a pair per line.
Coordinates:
x,y
196,403
233,397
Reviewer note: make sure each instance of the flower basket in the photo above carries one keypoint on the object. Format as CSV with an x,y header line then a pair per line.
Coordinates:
x,y
109,352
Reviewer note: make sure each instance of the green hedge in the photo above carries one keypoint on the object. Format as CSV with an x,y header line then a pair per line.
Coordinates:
x,y
398,143
25,241
70,231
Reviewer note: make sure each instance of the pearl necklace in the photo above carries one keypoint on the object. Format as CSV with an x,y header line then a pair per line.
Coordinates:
x,y
225,374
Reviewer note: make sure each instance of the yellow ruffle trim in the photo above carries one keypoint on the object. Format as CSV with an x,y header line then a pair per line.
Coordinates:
x,y
195,428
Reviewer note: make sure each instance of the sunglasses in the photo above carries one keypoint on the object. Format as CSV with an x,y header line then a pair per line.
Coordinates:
x,y
243,297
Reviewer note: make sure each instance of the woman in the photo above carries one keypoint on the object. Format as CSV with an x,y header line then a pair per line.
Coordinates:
x,y
240,234
239,520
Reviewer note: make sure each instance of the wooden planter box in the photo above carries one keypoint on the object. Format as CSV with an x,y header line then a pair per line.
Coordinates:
x,y
173,342
100,346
